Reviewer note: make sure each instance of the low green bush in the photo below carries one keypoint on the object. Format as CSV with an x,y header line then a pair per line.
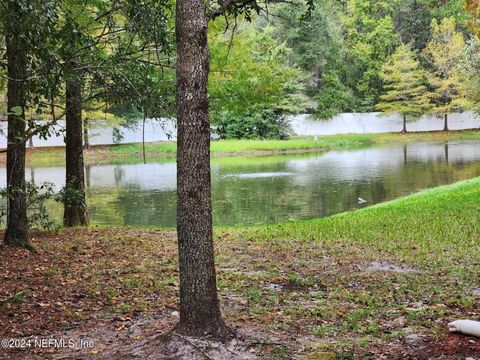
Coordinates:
x,y
37,196
258,122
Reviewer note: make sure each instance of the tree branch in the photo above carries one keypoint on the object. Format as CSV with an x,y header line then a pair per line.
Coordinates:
x,y
239,6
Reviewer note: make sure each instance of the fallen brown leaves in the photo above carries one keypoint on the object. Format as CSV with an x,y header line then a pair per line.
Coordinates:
x,y
305,298
82,272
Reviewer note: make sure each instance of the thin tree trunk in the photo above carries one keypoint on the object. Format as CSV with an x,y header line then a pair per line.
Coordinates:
x,y
88,170
404,130
30,139
16,232
30,142
143,139
318,78
199,306
445,126
75,205
86,140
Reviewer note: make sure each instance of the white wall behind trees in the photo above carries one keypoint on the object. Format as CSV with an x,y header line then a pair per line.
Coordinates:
x,y
368,123
348,123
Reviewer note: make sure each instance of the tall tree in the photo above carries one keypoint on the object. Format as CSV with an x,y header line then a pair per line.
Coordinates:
x,y
406,92
444,53
93,33
75,211
30,63
15,15
78,49
199,304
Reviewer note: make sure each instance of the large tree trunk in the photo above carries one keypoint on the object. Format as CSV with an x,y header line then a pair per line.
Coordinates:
x,y
445,124
199,306
75,205
16,231
404,130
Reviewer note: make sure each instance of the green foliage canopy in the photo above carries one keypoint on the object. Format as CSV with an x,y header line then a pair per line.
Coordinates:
x,y
249,69
444,53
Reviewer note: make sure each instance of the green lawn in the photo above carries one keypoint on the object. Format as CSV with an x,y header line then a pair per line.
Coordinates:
x,y
444,221
220,148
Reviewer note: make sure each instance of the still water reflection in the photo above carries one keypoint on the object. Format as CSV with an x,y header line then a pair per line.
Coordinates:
x,y
263,190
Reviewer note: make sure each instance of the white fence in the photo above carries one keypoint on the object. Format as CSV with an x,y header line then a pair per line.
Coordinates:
x,y
368,123
101,133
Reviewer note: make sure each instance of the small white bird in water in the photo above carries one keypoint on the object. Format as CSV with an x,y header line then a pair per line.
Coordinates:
x,y
361,201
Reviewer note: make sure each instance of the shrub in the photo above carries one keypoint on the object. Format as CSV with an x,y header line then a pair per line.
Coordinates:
x,y
258,122
37,196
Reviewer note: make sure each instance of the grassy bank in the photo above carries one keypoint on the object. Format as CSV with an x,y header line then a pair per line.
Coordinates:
x,y
363,284
133,152
441,220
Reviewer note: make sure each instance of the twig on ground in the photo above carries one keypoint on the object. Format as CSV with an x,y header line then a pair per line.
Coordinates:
x,y
13,296
263,342
204,353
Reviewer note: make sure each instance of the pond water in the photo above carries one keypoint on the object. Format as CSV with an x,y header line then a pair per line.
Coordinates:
x,y
264,190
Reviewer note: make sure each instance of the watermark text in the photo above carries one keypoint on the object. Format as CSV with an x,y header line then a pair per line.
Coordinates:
x,y
45,343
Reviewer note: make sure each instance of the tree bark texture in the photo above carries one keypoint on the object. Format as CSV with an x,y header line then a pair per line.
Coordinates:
x,y
74,197
445,123
16,232
404,130
199,306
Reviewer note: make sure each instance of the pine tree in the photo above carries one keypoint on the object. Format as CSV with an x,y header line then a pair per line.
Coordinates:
x,y
444,53
405,83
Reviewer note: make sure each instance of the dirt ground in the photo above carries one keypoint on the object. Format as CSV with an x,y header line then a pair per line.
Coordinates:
x,y
155,338
112,294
